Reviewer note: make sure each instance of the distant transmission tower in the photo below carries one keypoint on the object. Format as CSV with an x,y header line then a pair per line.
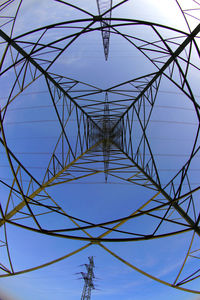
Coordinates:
x,y
88,278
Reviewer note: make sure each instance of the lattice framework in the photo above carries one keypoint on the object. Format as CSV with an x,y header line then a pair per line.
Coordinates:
x,y
101,127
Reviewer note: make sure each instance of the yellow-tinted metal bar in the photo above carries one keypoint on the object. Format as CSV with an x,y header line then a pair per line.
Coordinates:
x,y
48,263
147,274
186,257
73,221
42,187
122,222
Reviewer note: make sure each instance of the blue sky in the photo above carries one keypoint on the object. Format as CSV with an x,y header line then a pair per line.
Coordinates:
x,y
32,131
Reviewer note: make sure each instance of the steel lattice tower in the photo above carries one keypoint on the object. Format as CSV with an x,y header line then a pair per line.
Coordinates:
x,y
88,280
118,130
105,11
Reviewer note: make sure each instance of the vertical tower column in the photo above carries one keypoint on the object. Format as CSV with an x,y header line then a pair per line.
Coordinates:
x,y
104,8
88,278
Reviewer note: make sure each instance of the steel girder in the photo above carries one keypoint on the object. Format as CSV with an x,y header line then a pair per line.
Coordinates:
x,y
101,126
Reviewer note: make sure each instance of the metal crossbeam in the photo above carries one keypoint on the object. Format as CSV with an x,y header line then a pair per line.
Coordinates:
x,y
104,8
103,139
172,58
45,73
185,216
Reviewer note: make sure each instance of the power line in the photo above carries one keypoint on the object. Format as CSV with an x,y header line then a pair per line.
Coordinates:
x,y
155,154
122,182
80,171
51,106
73,120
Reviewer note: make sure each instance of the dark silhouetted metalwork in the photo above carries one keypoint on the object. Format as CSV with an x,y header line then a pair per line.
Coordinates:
x,y
88,280
111,133
105,10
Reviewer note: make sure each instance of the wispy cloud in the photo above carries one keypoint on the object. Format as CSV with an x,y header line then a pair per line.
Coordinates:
x,y
169,268
72,59
7,296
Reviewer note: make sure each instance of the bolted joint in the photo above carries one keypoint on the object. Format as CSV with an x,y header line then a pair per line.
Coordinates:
x,y
97,18
95,242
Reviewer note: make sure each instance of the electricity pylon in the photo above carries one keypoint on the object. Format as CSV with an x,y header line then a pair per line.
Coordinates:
x,y
112,130
105,12
88,280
